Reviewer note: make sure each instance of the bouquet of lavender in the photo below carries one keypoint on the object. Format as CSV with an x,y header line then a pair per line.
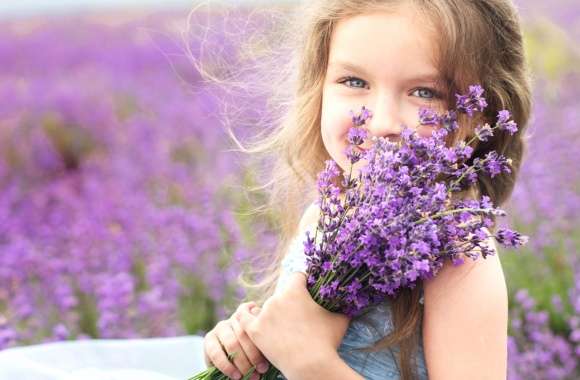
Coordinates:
x,y
401,217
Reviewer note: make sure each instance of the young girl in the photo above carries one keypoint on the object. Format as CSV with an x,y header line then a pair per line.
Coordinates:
x,y
393,57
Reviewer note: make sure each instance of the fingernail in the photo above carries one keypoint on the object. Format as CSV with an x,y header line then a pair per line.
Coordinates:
x,y
255,376
262,367
237,376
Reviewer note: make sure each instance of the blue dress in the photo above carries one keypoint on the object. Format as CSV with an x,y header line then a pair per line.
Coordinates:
x,y
363,330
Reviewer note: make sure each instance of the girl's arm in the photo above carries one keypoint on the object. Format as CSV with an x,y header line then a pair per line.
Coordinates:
x,y
465,321
298,336
332,369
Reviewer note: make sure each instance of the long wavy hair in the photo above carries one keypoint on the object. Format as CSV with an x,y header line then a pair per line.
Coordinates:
x,y
478,42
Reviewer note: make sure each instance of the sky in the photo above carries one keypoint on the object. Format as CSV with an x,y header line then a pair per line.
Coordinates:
x,y
23,8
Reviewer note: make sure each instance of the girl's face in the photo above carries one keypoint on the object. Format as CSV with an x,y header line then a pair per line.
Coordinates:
x,y
383,61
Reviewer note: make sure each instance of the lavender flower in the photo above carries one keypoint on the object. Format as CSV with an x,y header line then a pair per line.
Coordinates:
x,y
483,132
358,120
356,136
399,223
504,122
509,238
472,102
449,121
353,154
536,352
106,211
429,117
396,222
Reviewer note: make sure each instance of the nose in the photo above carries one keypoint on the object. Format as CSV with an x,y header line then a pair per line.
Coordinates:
x,y
386,120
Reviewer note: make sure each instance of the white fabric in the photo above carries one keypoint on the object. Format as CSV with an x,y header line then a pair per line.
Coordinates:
x,y
295,258
131,359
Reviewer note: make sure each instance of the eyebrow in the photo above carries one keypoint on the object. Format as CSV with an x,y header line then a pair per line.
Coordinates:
x,y
428,77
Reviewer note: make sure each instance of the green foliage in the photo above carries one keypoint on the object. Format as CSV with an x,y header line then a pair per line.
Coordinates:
x,y
544,274
550,53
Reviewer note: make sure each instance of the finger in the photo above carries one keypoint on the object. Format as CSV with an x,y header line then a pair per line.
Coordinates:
x,y
247,321
245,306
218,357
250,349
232,346
206,358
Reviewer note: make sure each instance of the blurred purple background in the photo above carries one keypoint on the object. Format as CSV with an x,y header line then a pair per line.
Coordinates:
x,y
122,210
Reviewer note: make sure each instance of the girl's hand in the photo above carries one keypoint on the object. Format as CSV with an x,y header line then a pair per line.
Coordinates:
x,y
293,331
229,336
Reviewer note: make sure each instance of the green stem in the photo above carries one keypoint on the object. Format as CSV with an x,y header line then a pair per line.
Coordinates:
x,y
451,212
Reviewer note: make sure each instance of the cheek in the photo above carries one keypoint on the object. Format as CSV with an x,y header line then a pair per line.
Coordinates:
x,y
334,131
325,133
425,130
411,114
335,122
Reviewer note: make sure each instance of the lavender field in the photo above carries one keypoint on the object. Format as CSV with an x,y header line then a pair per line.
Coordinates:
x,y
122,210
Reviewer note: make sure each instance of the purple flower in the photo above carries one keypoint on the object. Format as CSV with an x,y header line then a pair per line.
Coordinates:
x,y
428,116
449,121
356,135
462,151
483,132
353,154
534,351
60,332
100,188
309,244
360,119
494,164
509,238
399,222
505,124
472,102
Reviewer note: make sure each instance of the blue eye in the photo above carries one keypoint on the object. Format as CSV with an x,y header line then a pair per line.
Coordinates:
x,y
355,81
428,93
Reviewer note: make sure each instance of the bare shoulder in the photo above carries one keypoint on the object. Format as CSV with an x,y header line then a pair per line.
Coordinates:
x,y
310,216
470,273
465,320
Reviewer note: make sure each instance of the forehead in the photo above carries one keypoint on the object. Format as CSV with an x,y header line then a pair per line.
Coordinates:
x,y
385,42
